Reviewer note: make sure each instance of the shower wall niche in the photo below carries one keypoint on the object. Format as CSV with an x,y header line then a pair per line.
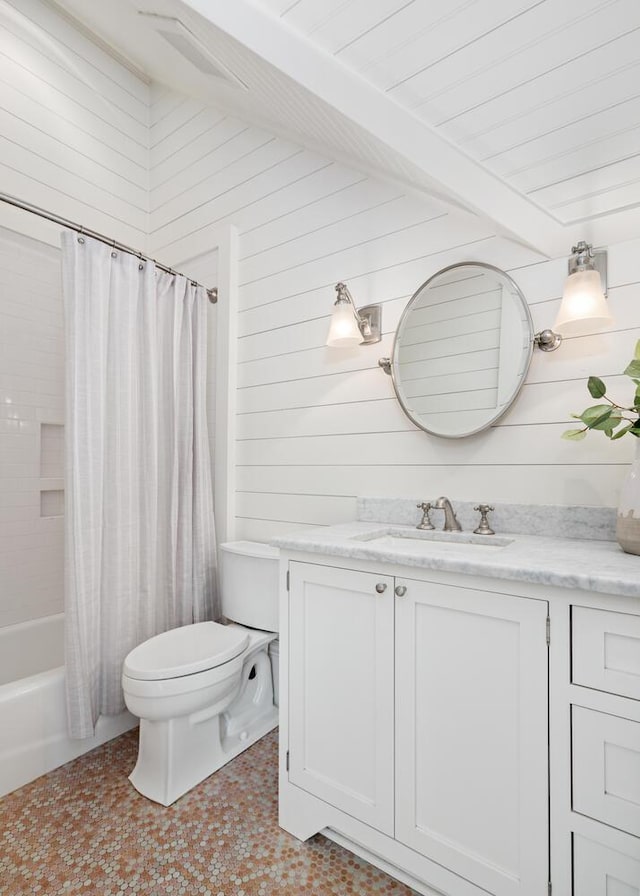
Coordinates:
x,y
31,430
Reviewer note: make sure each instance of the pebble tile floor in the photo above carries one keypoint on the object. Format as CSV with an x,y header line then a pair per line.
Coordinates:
x,y
84,829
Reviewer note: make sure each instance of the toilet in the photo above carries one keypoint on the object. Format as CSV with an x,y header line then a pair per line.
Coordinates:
x,y
205,692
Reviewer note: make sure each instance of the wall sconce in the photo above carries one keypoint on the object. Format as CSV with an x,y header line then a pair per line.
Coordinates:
x,y
353,326
583,309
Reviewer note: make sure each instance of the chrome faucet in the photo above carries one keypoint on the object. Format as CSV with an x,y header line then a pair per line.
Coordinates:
x,y
451,523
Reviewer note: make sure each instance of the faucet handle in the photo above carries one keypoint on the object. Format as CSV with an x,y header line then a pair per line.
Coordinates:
x,y
425,522
483,527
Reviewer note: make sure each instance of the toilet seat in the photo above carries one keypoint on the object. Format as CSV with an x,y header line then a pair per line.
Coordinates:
x,y
185,651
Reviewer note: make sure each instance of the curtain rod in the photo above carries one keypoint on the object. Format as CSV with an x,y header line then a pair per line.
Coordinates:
x,y
212,293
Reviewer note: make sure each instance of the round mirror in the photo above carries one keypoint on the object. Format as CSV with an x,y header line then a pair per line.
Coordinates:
x,y
462,350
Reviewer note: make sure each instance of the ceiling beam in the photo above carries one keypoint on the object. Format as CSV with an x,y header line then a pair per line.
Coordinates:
x,y
453,173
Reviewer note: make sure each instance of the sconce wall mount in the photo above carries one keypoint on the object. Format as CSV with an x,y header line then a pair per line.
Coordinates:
x,y
351,325
547,340
583,309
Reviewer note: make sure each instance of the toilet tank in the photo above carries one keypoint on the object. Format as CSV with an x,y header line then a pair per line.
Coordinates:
x,y
249,584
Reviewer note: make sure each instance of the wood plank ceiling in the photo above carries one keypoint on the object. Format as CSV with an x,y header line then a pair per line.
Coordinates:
x,y
526,112
543,93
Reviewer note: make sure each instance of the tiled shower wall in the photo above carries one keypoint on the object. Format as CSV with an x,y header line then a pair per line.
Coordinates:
x,y
31,430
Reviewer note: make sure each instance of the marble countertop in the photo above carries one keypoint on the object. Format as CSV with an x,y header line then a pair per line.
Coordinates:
x,y
590,565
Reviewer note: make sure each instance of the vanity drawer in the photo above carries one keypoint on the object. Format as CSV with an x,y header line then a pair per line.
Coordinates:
x,y
606,768
599,870
605,651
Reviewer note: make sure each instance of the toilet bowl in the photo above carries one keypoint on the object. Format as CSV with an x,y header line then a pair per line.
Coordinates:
x,y
204,692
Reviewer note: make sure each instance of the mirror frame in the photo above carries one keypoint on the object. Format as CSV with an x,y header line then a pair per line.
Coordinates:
x,y
393,365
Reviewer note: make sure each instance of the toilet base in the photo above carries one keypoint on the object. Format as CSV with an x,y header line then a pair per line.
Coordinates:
x,y
201,752
177,753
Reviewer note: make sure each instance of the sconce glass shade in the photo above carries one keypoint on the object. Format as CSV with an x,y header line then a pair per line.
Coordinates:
x,y
343,330
584,308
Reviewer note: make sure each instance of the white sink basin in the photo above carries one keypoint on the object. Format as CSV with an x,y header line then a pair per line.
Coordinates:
x,y
431,541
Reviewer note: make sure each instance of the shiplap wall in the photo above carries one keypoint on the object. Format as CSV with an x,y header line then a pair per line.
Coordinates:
x,y
74,135
318,426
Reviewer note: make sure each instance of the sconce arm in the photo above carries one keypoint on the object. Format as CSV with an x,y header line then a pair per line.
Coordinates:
x,y
344,297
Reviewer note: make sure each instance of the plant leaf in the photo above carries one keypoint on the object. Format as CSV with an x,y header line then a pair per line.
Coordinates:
x,y
607,423
596,414
621,432
608,418
633,369
596,387
574,435
608,428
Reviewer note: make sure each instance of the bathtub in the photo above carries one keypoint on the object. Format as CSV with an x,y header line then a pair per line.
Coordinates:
x,y
33,714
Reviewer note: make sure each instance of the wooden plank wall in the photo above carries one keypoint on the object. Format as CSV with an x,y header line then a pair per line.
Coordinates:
x,y
74,128
318,426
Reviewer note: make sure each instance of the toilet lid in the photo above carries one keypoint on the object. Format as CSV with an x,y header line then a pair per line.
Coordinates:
x,y
185,650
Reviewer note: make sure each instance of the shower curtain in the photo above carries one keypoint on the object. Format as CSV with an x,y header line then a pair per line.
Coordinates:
x,y
139,537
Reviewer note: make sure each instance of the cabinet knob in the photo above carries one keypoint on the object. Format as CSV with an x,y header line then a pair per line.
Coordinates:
x,y
381,587
401,590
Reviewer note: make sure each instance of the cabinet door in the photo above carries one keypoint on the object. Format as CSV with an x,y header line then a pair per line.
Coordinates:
x,y
599,870
341,689
606,768
605,651
471,748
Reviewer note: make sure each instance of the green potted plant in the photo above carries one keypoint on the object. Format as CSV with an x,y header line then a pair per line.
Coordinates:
x,y
616,420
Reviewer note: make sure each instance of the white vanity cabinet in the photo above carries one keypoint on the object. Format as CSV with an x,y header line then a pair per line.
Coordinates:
x,y
417,717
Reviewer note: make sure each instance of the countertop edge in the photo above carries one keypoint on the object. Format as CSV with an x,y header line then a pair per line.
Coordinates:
x,y
533,559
